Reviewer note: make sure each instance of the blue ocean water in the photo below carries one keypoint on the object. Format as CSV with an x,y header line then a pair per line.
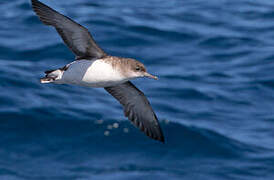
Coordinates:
x,y
214,99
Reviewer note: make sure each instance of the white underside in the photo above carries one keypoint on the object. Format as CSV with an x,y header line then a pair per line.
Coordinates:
x,y
95,73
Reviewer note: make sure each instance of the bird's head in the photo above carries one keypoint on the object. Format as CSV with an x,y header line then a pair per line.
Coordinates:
x,y
136,69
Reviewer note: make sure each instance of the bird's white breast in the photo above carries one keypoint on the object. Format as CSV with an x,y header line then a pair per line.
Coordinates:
x,y
95,73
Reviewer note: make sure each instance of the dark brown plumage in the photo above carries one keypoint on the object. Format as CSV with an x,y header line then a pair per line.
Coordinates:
x,y
75,36
137,109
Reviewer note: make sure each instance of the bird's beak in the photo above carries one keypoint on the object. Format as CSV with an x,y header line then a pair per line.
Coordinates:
x,y
150,76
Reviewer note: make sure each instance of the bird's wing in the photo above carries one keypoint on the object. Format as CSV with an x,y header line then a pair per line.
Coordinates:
x,y
76,37
137,109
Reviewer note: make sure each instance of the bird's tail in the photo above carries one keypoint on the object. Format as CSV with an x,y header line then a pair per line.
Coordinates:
x,y
52,75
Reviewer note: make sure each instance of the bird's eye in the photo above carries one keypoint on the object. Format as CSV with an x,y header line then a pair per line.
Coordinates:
x,y
138,68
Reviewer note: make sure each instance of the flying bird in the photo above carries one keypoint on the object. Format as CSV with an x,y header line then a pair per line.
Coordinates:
x,y
95,68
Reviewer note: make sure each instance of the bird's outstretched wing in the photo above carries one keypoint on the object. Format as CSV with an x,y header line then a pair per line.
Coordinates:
x,y
137,109
75,36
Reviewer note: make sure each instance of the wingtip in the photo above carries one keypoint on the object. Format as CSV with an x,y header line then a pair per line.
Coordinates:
x,y
35,2
162,139
158,135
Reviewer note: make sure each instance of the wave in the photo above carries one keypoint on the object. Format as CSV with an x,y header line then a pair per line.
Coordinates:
x,y
88,146
66,131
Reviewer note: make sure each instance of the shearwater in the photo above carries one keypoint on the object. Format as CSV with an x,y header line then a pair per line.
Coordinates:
x,y
94,68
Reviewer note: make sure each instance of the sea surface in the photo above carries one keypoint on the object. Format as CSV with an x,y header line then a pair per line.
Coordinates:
x,y
214,97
